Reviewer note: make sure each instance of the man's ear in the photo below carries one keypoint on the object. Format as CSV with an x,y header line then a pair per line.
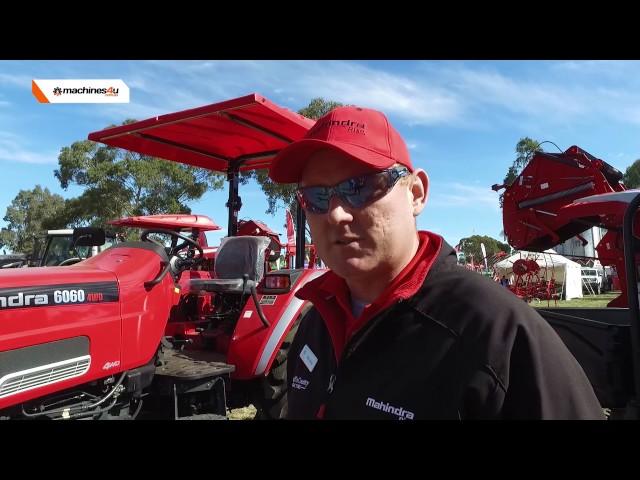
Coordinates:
x,y
419,188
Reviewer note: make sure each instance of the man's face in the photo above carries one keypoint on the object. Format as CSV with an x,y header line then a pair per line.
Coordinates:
x,y
358,242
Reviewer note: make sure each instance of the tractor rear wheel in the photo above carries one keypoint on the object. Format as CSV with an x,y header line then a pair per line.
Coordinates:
x,y
271,392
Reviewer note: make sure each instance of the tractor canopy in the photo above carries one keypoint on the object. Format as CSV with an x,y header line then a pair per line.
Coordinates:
x,y
236,135
171,222
243,133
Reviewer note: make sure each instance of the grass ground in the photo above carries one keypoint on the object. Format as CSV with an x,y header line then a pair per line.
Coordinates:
x,y
243,413
588,301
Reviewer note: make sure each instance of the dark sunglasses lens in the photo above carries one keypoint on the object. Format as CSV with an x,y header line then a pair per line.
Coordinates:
x,y
364,190
315,199
357,192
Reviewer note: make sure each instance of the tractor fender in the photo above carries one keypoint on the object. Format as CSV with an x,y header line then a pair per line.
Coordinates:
x,y
253,347
282,327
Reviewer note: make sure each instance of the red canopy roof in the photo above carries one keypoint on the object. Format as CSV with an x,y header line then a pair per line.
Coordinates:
x,y
170,221
249,129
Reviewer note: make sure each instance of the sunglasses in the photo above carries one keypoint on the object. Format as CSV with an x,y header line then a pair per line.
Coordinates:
x,y
357,192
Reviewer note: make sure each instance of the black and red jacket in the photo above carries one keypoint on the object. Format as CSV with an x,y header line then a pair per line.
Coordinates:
x,y
441,342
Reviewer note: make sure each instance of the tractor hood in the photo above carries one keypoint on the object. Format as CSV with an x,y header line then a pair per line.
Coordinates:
x,y
245,132
39,276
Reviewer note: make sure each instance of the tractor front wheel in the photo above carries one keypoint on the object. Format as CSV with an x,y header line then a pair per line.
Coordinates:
x,y
271,392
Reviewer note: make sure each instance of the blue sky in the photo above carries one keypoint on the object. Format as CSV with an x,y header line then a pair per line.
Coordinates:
x,y
461,119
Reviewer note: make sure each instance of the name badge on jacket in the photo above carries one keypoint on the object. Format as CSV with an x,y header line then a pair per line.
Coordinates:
x,y
308,358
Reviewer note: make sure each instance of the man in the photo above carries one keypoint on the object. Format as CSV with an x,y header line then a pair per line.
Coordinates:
x,y
398,330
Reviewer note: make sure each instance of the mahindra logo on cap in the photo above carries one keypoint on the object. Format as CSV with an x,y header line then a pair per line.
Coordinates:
x,y
350,125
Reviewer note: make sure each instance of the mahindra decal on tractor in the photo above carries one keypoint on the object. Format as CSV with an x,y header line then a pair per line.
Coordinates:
x,y
164,327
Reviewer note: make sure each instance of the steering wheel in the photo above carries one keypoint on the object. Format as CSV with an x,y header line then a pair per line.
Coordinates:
x,y
177,263
70,261
175,249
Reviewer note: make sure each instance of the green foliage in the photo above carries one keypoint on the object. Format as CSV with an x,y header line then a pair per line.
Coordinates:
x,y
318,107
30,212
121,183
525,149
471,246
631,177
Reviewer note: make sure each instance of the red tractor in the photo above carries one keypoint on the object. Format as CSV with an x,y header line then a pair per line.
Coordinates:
x,y
143,329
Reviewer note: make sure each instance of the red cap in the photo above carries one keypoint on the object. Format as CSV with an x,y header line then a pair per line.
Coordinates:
x,y
364,135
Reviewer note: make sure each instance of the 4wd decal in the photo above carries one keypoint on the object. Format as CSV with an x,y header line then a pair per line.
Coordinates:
x,y
68,294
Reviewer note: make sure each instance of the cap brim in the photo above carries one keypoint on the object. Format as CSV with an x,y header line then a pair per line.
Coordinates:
x,y
288,165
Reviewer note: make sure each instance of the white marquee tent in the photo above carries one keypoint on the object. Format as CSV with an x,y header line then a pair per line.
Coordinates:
x,y
565,271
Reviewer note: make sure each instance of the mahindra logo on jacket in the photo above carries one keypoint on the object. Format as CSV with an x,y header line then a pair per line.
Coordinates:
x,y
386,408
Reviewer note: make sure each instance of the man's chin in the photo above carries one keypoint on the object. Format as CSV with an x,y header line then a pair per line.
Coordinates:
x,y
353,267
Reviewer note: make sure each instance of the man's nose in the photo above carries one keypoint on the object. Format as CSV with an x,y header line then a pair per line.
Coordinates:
x,y
339,212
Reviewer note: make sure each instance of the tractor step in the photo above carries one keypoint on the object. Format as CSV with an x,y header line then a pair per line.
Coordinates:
x,y
205,416
193,365
193,382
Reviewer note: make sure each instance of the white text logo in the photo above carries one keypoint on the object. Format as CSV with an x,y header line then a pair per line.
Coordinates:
x,y
401,413
110,365
300,383
22,300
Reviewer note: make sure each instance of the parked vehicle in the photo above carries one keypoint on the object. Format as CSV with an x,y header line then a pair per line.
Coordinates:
x,y
592,281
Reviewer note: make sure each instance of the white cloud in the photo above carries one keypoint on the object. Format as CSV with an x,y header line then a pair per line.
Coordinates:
x,y
465,95
26,156
117,113
520,96
415,102
477,95
609,68
8,136
12,150
208,82
16,80
581,93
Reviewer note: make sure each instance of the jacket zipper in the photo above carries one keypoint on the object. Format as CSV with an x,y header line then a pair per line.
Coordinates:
x,y
323,408
360,336
352,344
332,380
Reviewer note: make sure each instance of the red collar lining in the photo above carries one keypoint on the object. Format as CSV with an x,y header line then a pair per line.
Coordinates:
x,y
330,294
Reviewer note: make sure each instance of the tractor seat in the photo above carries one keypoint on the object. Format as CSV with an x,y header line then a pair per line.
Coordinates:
x,y
220,285
236,257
